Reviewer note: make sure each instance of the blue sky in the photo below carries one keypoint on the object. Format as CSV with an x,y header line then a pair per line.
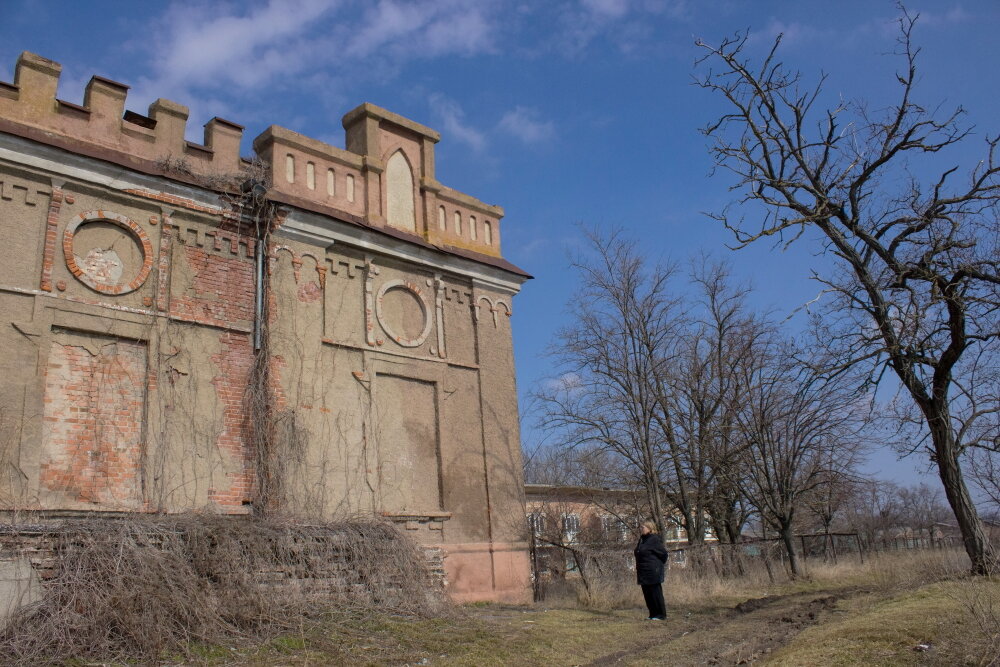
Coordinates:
x,y
564,112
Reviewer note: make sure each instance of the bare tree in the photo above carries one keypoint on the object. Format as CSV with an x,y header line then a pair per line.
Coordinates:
x,y
918,287
873,511
701,395
656,383
984,466
922,507
796,425
831,497
611,355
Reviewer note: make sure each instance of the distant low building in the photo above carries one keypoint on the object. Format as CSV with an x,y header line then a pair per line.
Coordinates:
x,y
563,519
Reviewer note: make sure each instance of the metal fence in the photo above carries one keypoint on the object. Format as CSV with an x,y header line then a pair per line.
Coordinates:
x,y
554,566
772,555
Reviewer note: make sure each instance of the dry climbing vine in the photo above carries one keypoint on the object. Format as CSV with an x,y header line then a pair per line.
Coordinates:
x,y
259,215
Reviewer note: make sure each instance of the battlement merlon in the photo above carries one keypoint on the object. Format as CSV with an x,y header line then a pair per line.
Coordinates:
x,y
362,125
103,121
368,181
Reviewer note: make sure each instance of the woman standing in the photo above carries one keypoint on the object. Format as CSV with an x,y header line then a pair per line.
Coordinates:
x,y
650,556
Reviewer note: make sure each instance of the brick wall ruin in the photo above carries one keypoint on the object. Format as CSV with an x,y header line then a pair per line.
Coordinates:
x,y
325,568
139,279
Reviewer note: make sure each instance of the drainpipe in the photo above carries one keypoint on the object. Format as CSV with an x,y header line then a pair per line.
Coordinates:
x,y
258,192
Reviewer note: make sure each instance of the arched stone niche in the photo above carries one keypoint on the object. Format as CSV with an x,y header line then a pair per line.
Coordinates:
x,y
400,209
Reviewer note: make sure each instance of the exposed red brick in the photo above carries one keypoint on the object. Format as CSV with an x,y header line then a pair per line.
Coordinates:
x,y
51,225
233,364
309,292
222,292
94,411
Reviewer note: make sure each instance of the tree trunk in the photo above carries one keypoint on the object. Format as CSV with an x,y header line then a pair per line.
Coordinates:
x,y
655,500
578,558
788,539
977,545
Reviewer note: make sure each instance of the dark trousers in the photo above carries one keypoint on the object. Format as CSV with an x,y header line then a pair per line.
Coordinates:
x,y
653,593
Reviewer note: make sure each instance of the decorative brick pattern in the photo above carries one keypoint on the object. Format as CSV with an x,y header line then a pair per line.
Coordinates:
x,y
163,266
51,234
93,414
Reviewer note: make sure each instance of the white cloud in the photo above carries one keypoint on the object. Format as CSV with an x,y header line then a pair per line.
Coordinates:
x,y
242,48
619,21
526,124
453,122
251,53
466,33
203,48
610,8
423,29
791,33
533,247
956,14
569,382
883,27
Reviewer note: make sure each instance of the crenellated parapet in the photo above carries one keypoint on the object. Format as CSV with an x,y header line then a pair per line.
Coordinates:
x,y
384,179
103,121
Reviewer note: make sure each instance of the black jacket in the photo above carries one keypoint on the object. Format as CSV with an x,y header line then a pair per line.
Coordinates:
x,y
650,555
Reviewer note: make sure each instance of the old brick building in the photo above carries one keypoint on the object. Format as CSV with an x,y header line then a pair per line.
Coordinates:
x,y
139,303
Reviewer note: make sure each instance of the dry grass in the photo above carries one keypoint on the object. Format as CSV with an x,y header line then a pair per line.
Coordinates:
x,y
881,571
887,571
611,584
849,613
928,625
980,599
137,588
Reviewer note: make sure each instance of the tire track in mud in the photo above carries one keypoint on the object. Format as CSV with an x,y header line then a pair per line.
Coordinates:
x,y
774,621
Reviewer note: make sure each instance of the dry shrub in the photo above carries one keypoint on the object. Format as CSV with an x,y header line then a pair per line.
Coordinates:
x,y
137,588
610,582
980,598
894,570
688,588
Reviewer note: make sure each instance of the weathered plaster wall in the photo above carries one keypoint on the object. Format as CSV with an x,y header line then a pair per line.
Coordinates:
x,y
128,307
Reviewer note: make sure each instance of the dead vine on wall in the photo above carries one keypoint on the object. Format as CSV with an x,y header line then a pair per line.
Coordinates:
x,y
260,215
140,587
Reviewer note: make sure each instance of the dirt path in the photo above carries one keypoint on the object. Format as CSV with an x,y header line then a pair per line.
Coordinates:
x,y
742,635
876,626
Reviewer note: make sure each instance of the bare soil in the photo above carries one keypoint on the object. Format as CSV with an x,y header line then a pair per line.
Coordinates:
x,y
742,635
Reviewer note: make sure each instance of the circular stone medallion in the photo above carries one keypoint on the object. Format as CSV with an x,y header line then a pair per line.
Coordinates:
x,y
402,313
107,252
